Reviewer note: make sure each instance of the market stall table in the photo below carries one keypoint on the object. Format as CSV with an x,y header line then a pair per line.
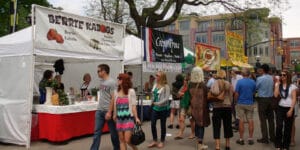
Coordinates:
x,y
144,109
61,123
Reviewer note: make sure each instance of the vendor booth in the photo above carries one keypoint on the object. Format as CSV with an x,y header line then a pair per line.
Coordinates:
x,y
83,43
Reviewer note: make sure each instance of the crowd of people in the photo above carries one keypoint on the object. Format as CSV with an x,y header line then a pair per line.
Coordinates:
x,y
275,95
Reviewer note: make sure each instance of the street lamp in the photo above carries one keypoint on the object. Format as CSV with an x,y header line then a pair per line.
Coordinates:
x,y
257,64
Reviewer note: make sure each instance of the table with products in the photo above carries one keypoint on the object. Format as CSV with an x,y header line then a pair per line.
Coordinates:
x,y
61,123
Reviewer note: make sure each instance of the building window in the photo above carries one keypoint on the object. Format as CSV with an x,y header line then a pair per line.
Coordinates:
x,y
201,38
261,51
219,25
294,43
267,51
266,34
184,25
295,54
255,51
185,40
217,38
203,26
249,53
236,24
171,27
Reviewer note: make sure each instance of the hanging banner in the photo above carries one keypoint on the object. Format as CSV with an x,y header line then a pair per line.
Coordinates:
x,y
162,47
58,30
235,46
207,57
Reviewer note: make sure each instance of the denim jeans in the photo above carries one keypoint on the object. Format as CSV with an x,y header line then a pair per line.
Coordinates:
x,y
99,123
199,132
162,115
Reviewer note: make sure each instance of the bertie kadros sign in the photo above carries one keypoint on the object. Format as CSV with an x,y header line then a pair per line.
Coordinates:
x,y
63,31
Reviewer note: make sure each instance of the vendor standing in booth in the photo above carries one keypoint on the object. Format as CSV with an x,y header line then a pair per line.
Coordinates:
x,y
48,75
105,107
85,85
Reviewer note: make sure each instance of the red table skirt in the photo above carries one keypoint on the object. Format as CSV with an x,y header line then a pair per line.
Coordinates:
x,y
61,127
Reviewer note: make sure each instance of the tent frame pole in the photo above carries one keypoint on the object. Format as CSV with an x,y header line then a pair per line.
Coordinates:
x,y
142,88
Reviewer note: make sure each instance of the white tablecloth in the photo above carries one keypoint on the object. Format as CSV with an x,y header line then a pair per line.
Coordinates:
x,y
80,107
145,102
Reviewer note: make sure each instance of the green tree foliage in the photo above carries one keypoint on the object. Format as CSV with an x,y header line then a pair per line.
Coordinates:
x,y
23,10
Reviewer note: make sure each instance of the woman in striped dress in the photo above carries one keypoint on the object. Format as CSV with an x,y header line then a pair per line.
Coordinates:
x,y
125,108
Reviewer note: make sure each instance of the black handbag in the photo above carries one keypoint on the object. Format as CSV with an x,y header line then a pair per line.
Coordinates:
x,y
138,135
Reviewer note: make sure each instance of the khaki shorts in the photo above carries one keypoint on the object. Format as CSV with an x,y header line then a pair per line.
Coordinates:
x,y
175,104
245,111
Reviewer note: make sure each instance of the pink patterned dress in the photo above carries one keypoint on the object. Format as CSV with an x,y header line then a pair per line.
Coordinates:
x,y
125,121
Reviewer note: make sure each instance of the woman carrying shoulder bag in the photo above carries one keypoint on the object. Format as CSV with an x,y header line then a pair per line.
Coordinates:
x,y
125,111
222,111
160,109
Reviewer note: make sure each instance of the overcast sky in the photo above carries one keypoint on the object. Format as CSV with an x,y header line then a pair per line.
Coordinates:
x,y
291,21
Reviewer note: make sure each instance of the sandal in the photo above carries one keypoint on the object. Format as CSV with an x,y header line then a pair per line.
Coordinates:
x,y
160,145
191,137
153,144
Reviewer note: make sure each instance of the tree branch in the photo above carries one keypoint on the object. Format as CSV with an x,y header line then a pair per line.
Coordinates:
x,y
103,10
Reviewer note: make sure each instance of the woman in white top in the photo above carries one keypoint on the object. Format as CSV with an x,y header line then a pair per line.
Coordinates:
x,y
285,112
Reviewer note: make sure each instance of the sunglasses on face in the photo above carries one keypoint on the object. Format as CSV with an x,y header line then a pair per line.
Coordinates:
x,y
283,75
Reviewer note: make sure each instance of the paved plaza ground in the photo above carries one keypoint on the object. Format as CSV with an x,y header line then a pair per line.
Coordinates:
x,y
83,143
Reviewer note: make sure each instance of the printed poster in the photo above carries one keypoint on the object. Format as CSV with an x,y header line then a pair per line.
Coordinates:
x,y
207,57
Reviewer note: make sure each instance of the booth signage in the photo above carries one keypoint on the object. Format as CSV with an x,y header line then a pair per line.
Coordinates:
x,y
235,46
63,31
162,47
207,57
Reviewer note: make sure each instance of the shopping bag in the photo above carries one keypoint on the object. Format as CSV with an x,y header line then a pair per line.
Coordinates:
x,y
138,135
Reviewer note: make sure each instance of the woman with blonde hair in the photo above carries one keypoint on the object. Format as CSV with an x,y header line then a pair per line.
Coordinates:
x,y
125,108
160,109
200,113
222,111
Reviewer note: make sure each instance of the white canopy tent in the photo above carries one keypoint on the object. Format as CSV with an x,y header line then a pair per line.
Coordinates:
x,y
21,65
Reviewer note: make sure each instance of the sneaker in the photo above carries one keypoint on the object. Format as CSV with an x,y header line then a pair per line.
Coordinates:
x,y
177,126
170,126
250,142
240,141
202,147
263,141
